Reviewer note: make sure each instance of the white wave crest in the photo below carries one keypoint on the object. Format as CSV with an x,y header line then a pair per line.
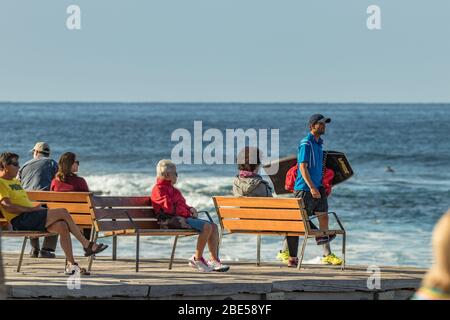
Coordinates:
x,y
197,190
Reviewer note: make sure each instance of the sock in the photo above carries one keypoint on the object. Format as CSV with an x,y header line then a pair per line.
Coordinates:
x,y
326,249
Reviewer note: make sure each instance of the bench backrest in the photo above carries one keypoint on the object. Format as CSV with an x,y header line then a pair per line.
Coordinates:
x,y
77,203
111,213
261,215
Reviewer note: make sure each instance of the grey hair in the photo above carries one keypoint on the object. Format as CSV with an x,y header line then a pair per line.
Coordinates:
x,y
164,166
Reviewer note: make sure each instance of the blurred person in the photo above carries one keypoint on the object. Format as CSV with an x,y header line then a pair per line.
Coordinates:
x,y
436,283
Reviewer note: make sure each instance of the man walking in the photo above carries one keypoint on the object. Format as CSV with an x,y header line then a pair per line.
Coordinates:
x,y
37,175
308,184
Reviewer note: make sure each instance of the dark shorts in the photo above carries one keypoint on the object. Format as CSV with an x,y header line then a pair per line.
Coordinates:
x,y
313,205
30,221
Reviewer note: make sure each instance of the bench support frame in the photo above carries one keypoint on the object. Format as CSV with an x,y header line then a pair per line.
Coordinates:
x,y
24,244
307,233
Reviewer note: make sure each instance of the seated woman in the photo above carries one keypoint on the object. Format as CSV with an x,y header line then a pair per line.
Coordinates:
x,y
66,179
18,209
168,200
248,183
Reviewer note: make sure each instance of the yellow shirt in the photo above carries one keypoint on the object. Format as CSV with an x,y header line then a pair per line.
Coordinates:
x,y
13,190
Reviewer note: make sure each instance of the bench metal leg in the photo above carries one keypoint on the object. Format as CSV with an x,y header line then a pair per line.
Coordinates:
x,y
343,251
219,242
305,240
114,248
137,252
173,252
258,250
24,244
94,236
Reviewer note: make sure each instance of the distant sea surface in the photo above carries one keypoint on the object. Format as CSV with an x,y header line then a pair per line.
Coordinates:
x,y
389,216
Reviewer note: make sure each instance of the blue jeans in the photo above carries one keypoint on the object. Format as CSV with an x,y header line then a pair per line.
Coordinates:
x,y
197,224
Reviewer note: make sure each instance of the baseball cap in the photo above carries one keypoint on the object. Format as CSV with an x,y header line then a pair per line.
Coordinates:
x,y
41,147
318,118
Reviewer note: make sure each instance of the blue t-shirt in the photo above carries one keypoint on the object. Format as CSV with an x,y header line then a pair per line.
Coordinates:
x,y
37,174
310,151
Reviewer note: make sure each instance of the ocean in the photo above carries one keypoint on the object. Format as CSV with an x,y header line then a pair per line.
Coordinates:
x,y
389,216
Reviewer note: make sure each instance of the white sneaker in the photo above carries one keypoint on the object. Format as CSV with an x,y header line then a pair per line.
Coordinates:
x,y
72,269
75,269
201,265
218,266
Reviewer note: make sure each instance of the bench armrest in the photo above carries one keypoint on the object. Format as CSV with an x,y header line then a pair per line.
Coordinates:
x,y
328,213
207,214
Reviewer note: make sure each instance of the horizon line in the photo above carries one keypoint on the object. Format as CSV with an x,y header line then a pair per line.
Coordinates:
x,y
217,102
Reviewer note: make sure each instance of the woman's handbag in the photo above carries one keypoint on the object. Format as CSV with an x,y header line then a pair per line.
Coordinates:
x,y
170,221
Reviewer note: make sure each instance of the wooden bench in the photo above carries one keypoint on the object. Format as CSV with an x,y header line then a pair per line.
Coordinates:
x,y
130,216
77,203
270,216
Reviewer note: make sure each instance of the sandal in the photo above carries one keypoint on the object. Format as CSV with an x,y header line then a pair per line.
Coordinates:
x,y
89,252
72,269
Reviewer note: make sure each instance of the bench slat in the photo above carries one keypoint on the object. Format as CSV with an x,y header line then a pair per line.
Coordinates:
x,y
120,213
270,214
263,225
272,233
106,201
52,196
122,225
82,219
259,202
153,232
25,234
71,207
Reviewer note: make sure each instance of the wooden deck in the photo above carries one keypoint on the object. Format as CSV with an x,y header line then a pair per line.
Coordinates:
x,y
44,279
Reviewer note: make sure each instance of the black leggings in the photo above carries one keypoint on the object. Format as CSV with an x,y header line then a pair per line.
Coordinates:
x,y
292,243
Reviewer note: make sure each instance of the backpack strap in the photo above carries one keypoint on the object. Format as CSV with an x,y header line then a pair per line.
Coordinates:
x,y
312,159
325,154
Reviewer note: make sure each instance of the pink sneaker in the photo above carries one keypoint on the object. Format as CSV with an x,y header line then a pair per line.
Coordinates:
x,y
200,264
218,266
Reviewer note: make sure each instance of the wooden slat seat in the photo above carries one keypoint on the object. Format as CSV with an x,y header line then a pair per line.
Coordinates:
x,y
270,216
29,234
77,203
151,232
129,216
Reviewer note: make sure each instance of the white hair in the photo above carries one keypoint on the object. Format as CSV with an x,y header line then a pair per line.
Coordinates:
x,y
165,166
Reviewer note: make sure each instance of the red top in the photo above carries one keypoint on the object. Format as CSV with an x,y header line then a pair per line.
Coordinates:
x,y
168,199
73,183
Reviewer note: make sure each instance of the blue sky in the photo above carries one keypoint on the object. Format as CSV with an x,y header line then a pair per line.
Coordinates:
x,y
225,50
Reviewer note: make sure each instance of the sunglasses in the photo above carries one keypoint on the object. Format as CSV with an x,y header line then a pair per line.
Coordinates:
x,y
14,163
77,162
